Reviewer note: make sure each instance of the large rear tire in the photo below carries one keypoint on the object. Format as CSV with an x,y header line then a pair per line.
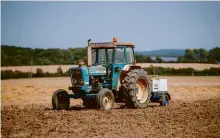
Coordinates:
x,y
136,89
60,100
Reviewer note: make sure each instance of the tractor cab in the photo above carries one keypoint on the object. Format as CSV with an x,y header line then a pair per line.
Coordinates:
x,y
110,58
112,53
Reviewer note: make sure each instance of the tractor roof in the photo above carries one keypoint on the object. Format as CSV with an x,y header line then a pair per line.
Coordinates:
x,y
110,45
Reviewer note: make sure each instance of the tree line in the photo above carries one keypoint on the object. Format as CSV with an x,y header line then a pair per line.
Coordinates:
x,y
9,74
20,56
201,56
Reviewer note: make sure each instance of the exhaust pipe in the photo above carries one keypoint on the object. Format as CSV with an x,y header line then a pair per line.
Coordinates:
x,y
89,54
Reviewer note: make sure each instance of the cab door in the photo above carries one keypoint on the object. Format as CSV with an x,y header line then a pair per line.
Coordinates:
x,y
119,61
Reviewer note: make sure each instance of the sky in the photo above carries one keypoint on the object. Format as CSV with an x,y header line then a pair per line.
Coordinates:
x,y
149,25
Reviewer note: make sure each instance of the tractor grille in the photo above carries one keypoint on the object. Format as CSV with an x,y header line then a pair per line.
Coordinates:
x,y
77,77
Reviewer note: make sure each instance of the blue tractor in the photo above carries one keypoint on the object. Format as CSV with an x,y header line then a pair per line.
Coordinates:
x,y
111,75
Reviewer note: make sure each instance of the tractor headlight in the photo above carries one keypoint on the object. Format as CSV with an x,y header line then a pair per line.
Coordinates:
x,y
74,82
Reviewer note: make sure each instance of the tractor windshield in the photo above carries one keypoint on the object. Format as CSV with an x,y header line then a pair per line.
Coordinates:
x,y
121,57
130,55
101,56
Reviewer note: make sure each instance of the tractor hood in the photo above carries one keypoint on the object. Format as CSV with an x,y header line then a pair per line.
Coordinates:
x,y
83,73
96,70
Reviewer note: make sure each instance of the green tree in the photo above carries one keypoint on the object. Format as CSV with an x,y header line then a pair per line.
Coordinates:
x,y
158,59
203,55
59,71
39,72
197,55
214,55
180,59
190,56
143,59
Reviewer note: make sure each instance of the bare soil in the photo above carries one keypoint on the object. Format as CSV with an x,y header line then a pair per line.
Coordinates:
x,y
179,119
194,111
39,90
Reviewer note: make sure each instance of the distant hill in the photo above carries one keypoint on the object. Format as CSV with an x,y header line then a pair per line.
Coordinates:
x,y
163,52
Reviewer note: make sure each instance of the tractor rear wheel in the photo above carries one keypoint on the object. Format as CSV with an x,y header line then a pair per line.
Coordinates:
x,y
136,89
105,99
60,99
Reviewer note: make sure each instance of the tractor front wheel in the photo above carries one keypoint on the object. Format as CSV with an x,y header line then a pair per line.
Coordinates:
x,y
105,99
60,99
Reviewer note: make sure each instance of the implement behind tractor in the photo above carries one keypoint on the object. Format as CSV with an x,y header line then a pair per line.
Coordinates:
x,y
111,75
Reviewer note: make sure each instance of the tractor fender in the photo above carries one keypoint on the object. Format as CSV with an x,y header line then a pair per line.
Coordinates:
x,y
124,71
130,67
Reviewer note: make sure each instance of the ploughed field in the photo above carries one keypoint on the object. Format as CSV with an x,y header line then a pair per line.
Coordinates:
x,y
194,111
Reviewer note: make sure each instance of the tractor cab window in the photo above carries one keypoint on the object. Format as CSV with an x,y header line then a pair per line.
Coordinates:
x,y
110,54
130,55
101,56
119,55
